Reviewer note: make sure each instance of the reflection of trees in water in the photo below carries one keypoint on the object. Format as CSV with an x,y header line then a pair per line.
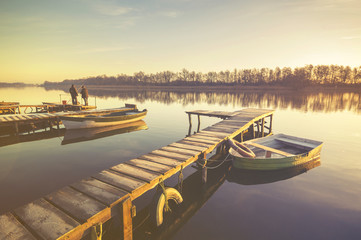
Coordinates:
x,y
326,101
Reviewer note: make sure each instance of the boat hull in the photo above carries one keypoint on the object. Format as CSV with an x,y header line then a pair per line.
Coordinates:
x,y
87,134
92,122
276,163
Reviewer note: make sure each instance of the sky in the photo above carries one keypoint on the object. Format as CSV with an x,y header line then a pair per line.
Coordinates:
x,y
52,40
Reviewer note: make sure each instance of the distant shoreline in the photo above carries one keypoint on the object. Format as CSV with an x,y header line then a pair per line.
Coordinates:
x,y
218,88
231,89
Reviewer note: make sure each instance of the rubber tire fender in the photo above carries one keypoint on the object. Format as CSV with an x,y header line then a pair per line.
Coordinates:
x,y
158,207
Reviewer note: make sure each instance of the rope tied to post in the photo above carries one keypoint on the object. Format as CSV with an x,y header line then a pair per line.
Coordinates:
x,y
166,207
97,231
180,180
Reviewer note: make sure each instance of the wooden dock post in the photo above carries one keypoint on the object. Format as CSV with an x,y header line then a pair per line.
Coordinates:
x,y
270,123
251,128
199,123
262,127
204,168
16,124
127,219
204,174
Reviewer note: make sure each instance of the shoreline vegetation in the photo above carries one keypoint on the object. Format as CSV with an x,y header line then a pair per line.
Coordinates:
x,y
307,77
210,89
17,84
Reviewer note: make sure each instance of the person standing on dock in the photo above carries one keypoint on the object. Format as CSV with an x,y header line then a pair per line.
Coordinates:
x,y
74,94
84,95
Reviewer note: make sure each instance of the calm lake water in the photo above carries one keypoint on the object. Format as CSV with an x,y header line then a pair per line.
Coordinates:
x,y
322,203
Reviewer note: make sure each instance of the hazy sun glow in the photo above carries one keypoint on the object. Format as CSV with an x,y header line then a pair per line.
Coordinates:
x,y
55,40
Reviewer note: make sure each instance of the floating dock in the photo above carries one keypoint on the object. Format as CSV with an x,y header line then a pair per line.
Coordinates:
x,y
81,208
16,108
17,123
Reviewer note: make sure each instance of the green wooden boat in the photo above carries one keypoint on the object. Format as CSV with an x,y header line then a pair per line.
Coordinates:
x,y
274,152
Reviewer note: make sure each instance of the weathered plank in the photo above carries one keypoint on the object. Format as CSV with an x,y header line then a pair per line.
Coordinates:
x,y
167,154
135,172
7,118
118,180
233,122
181,151
76,204
188,146
103,192
27,117
197,139
46,220
17,117
146,164
207,137
221,130
162,160
42,115
191,142
242,118
11,228
227,125
219,134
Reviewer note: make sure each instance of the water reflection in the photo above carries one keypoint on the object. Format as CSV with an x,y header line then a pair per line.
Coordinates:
x,y
71,136
252,177
81,135
11,139
196,194
320,101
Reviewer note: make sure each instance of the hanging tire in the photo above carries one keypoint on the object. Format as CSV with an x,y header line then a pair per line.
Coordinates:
x,y
158,206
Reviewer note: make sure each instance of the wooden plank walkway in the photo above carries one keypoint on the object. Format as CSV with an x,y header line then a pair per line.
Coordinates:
x,y
37,116
76,210
15,121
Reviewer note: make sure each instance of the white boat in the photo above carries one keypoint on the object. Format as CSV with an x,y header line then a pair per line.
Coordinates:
x,y
102,119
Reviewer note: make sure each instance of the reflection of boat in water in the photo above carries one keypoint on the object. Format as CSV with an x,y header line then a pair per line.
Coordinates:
x,y
274,152
104,119
86,134
252,177
196,194
35,136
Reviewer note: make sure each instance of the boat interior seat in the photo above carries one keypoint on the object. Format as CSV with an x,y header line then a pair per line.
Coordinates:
x,y
297,144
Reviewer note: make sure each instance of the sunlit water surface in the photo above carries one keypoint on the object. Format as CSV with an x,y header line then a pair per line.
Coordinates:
x,y
323,203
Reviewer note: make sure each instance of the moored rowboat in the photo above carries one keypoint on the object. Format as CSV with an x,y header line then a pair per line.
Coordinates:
x,y
275,152
104,119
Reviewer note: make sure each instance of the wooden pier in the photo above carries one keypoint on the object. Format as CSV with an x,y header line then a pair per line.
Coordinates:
x,y
81,208
16,108
17,123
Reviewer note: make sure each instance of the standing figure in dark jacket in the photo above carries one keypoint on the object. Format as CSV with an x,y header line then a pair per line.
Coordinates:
x,y
74,94
84,95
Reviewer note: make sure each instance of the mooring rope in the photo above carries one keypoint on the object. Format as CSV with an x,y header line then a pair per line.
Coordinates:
x,y
180,180
166,207
223,161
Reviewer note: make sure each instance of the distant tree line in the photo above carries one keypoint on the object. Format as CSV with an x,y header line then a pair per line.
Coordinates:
x,y
333,75
17,84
